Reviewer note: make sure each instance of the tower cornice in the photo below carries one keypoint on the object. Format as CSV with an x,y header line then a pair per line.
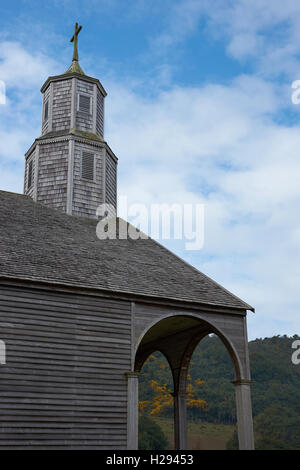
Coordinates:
x,y
69,75
78,136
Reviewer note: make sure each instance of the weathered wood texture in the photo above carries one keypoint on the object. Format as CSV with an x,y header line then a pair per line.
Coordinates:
x,y
56,171
84,121
45,122
61,105
100,114
87,195
53,175
63,385
60,108
111,181
31,158
231,326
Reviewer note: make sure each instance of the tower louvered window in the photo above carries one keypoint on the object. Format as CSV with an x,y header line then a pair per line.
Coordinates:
x,y
84,104
46,111
29,175
87,166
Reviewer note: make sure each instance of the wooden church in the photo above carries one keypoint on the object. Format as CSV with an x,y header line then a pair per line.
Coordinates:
x,y
79,315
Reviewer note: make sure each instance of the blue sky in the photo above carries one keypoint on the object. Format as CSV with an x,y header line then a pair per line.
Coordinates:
x,y
198,110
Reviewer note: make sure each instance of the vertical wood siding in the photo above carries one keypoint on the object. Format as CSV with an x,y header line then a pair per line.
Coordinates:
x,y
63,385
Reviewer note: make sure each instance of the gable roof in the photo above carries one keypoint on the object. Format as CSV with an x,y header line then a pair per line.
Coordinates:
x,y
42,244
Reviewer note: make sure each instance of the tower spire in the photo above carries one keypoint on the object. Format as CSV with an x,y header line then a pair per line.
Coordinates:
x,y
75,67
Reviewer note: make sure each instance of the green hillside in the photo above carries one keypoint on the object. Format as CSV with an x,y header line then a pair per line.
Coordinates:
x,y
275,388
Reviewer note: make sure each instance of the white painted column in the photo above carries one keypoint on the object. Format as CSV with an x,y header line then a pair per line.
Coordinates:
x,y
180,421
244,414
132,410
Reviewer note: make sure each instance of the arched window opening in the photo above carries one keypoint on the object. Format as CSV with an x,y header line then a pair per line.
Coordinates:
x,y
177,336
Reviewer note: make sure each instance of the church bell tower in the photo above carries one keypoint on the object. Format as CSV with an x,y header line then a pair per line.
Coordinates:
x,y
70,167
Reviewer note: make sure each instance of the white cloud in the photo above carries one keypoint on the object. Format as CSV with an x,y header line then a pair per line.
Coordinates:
x,y
263,31
23,73
20,69
266,32
221,145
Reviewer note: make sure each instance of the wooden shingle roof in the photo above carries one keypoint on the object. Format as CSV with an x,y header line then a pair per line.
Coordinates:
x,y
41,244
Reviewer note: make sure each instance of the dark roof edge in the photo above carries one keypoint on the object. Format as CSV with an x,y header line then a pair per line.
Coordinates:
x,y
66,76
130,296
111,153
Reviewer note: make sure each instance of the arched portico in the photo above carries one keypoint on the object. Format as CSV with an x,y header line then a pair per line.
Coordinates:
x,y
176,334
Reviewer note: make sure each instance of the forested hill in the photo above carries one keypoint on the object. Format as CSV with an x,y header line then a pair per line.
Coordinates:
x,y
275,388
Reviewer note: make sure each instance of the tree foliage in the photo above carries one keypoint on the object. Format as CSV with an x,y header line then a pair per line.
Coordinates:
x,y
151,436
162,398
277,427
275,388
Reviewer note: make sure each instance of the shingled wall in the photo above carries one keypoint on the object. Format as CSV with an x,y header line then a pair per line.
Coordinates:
x,y
100,114
84,121
111,180
61,108
87,195
53,175
45,122
31,158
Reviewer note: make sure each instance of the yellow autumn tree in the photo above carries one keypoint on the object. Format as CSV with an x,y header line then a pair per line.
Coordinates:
x,y
162,397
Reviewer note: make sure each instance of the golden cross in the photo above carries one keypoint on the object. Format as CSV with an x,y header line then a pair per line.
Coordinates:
x,y
74,39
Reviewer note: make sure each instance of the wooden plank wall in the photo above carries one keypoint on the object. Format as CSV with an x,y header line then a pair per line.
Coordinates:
x,y
63,385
